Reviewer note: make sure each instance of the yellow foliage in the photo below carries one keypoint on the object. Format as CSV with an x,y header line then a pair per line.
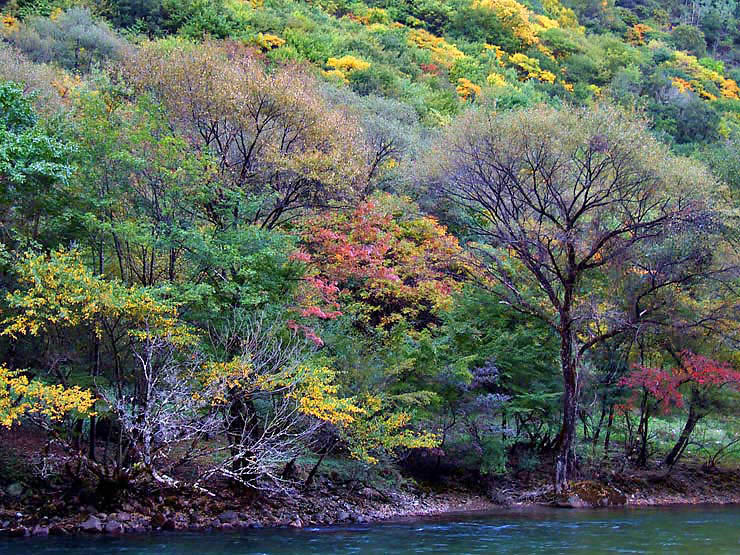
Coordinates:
x,y
443,52
59,290
19,396
565,17
730,89
529,68
467,89
497,50
681,84
546,76
66,84
336,75
372,16
496,80
513,15
347,64
8,24
316,395
267,41
380,428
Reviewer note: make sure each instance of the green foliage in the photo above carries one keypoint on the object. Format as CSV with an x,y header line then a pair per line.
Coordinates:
x,y
690,39
34,168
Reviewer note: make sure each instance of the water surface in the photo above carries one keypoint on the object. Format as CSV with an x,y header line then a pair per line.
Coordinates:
x,y
694,530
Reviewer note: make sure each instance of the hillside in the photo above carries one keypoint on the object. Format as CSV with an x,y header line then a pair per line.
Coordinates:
x,y
267,249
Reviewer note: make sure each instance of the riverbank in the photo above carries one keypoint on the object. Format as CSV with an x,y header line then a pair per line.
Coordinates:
x,y
330,502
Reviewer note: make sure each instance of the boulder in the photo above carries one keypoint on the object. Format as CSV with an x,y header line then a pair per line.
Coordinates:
x,y
114,528
92,525
228,516
590,494
15,489
40,530
158,520
370,493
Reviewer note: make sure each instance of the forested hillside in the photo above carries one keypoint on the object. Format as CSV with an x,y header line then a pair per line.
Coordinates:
x,y
247,243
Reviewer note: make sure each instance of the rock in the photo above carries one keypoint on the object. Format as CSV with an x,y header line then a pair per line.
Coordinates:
x,y
370,493
228,516
342,515
40,530
17,532
114,528
58,530
296,522
15,489
123,516
589,494
138,529
158,520
91,525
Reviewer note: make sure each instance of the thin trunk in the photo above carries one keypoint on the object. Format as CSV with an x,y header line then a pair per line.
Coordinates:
x,y
683,439
565,460
608,430
643,430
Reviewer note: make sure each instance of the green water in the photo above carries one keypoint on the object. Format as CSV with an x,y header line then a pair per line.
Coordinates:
x,y
697,530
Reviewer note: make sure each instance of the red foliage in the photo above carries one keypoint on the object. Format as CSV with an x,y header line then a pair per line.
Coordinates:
x,y
660,384
432,69
378,257
664,385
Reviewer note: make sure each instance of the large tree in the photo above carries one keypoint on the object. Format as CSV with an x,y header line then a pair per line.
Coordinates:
x,y
278,146
560,201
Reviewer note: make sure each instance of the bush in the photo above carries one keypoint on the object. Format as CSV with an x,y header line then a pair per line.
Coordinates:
x,y
690,39
74,40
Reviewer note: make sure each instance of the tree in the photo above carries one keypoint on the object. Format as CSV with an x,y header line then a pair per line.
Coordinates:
x,y
706,377
73,39
34,168
388,264
557,198
276,142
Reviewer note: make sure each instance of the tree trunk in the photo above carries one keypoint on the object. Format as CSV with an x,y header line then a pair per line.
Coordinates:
x,y
683,439
565,460
608,435
642,430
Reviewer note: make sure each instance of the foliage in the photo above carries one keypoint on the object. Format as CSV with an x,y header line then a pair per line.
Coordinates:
x,y
20,397
71,38
390,265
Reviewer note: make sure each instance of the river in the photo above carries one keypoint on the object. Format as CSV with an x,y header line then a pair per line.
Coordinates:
x,y
695,530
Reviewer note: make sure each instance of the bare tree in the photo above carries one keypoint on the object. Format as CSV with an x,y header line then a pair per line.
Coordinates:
x,y
557,200
262,422
164,415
